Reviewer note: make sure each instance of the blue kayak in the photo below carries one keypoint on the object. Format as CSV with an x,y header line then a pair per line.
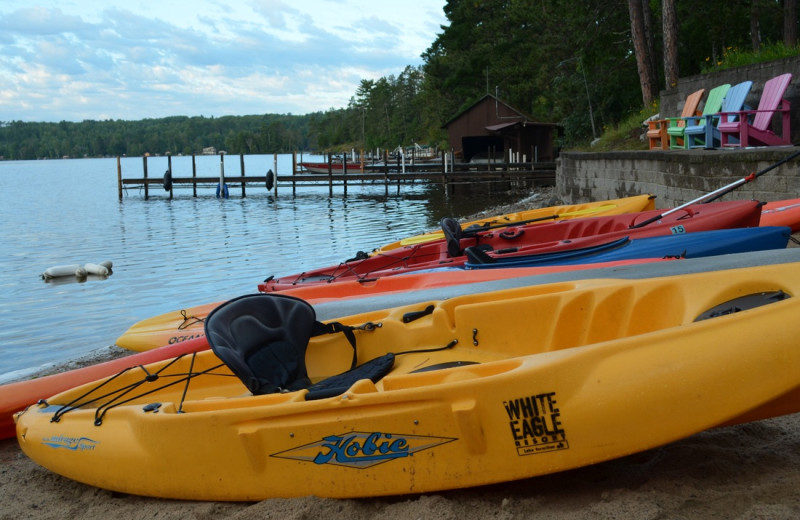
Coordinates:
x,y
689,245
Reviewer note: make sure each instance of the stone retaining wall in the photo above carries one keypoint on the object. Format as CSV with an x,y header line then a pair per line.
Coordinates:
x,y
676,176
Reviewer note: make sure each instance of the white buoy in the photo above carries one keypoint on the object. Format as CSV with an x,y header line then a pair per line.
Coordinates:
x,y
61,270
97,269
78,270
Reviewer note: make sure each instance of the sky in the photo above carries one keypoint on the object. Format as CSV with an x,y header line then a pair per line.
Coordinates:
x,y
73,60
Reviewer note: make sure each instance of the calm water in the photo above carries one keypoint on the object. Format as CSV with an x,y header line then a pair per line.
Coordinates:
x,y
168,255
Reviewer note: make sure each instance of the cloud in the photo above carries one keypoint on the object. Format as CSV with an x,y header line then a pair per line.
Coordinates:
x,y
61,63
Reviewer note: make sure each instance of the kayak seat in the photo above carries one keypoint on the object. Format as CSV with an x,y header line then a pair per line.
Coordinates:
x,y
373,370
263,339
452,233
478,255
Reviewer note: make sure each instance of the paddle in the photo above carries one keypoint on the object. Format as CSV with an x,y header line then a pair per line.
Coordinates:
x,y
708,197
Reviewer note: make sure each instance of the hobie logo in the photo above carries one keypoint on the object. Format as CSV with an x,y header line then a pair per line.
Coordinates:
x,y
70,443
361,449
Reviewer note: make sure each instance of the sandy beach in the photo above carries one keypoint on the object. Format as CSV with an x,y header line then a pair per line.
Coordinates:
x,y
742,472
748,471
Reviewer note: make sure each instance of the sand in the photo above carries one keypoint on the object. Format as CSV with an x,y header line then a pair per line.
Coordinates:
x,y
740,472
748,471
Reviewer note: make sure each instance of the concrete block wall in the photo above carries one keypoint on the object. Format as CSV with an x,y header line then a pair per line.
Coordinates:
x,y
676,176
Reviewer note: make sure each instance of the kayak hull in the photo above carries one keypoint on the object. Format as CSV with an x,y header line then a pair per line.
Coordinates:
x,y
540,216
689,245
528,240
782,213
596,369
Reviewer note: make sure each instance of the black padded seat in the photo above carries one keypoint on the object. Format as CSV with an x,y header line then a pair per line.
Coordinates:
x,y
263,339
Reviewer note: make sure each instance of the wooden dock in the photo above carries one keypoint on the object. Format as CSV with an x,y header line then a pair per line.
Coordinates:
x,y
451,175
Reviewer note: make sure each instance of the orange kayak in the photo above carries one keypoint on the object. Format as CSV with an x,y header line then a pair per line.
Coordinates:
x,y
187,324
16,396
782,213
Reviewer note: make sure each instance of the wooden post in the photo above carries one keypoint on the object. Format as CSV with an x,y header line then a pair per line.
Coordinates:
x,y
344,172
221,176
146,193
275,169
169,171
330,176
119,177
241,167
386,172
194,177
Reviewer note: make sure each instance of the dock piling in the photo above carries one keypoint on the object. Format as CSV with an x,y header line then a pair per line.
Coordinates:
x,y
146,194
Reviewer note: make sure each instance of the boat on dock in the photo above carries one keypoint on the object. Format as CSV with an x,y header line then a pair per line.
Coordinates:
x,y
336,167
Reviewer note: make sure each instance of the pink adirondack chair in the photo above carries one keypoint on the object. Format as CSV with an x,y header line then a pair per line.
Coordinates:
x,y
754,127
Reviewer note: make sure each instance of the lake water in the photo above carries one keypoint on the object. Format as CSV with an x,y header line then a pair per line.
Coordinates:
x,y
171,254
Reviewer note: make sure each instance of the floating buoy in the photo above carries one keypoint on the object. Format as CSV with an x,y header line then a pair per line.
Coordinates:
x,y
58,271
78,270
223,191
270,180
97,269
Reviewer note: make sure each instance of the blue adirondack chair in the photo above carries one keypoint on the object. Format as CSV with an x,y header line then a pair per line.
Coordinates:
x,y
753,127
703,132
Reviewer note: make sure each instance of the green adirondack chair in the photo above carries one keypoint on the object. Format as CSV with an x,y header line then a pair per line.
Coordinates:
x,y
677,125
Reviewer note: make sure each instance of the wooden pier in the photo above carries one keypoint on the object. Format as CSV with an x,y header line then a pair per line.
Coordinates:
x,y
442,170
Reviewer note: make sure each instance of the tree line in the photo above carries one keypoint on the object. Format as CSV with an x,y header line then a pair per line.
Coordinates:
x,y
558,61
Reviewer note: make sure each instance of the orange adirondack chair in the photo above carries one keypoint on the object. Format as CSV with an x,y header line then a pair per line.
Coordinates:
x,y
753,127
657,130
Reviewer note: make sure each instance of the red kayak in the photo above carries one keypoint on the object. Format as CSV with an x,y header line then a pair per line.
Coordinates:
x,y
528,240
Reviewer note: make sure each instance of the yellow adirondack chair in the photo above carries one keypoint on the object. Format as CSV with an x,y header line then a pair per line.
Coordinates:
x,y
657,130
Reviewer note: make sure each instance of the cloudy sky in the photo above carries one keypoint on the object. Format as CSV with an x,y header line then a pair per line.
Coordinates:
x,y
70,60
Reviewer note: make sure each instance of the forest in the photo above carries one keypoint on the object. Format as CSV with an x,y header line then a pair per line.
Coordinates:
x,y
554,60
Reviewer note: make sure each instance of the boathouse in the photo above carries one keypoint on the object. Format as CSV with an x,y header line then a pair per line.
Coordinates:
x,y
490,128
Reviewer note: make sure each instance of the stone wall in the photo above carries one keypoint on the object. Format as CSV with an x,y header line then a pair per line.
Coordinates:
x,y
676,176
672,99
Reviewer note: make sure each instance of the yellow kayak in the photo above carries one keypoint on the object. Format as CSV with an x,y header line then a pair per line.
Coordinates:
x,y
540,215
472,390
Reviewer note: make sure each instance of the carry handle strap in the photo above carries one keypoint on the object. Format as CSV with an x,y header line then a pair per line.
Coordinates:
x,y
334,327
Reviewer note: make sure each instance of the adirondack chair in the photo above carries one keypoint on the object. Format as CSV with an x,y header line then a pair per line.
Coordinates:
x,y
703,133
657,130
677,126
753,127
